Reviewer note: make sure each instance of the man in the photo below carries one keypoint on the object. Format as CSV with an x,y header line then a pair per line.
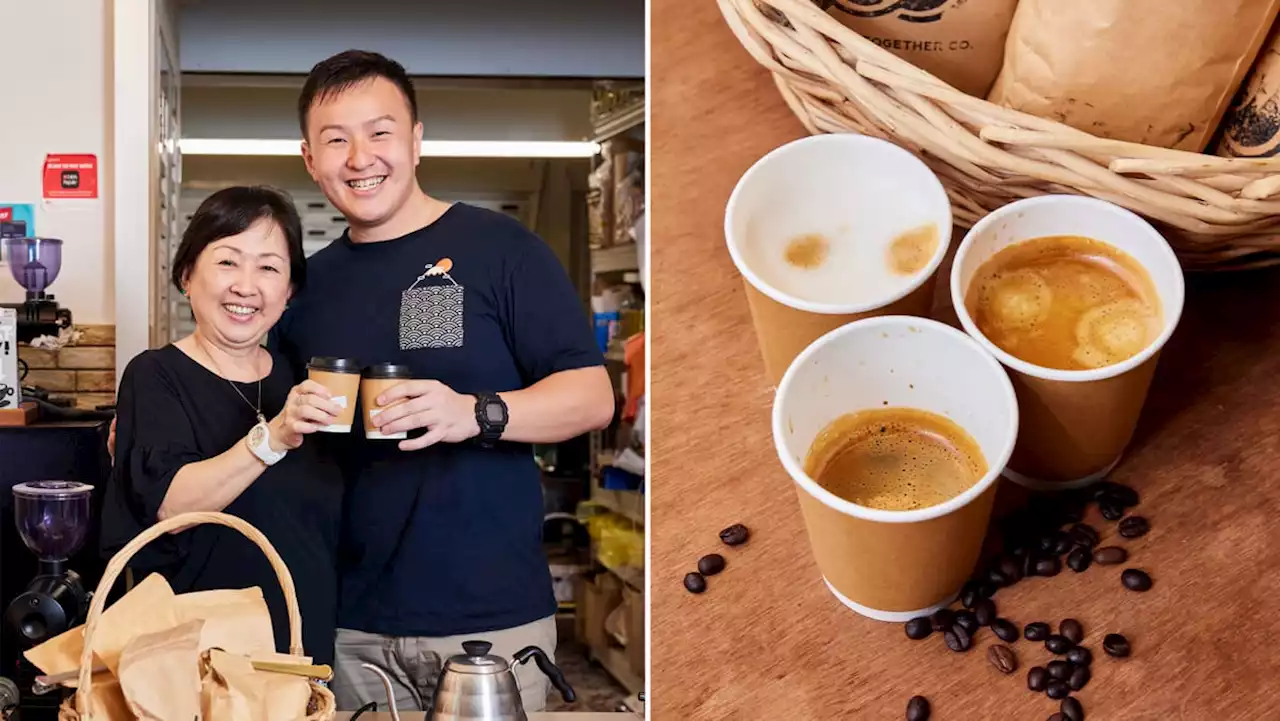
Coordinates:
x,y
442,528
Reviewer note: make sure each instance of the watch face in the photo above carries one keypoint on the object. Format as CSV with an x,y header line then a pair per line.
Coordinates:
x,y
256,435
493,412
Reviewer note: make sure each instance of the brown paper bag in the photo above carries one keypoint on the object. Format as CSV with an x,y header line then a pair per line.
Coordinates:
x,y
147,608
232,690
959,41
160,673
106,702
1252,126
59,654
236,621
1158,72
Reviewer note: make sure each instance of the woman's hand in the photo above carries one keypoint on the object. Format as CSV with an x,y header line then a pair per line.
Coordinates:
x,y
309,407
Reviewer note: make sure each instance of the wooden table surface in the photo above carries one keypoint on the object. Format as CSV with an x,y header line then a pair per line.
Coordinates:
x,y
549,716
767,641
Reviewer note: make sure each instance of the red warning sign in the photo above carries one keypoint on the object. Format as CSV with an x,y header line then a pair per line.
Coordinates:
x,y
70,176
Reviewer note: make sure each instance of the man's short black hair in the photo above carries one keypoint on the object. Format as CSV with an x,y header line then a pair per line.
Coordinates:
x,y
333,75
232,211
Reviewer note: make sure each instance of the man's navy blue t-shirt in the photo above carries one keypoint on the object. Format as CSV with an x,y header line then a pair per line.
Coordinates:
x,y
445,540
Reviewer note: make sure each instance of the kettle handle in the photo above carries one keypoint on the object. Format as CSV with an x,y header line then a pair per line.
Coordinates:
x,y
550,669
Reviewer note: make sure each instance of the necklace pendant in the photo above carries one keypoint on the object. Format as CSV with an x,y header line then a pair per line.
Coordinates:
x,y
261,418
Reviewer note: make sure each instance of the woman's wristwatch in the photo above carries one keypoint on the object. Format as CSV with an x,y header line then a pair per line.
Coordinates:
x,y
259,442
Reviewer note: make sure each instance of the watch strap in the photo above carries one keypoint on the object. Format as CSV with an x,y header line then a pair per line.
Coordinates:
x,y
259,442
490,430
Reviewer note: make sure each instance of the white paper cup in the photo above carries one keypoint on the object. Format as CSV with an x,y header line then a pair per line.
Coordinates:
x,y
857,192
1075,424
895,565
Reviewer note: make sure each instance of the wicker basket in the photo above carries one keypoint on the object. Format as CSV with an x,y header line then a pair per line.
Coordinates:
x,y
321,707
1217,213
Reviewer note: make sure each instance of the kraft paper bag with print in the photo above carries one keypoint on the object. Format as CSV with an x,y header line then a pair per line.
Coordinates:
x,y
160,673
1252,126
1157,72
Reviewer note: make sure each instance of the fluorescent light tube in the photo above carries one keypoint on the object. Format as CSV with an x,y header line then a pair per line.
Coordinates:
x,y
430,148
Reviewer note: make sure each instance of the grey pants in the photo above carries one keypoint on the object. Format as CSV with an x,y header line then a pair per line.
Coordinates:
x,y
414,665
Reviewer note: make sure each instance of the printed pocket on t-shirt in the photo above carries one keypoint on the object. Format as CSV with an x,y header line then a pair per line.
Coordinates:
x,y
431,310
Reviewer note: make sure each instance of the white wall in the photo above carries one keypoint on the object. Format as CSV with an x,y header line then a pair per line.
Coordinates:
x,y
57,100
561,38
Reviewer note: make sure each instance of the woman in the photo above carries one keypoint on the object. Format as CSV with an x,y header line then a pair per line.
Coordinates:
x,y
214,422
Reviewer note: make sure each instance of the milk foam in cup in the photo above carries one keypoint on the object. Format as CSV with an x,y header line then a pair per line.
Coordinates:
x,y
832,228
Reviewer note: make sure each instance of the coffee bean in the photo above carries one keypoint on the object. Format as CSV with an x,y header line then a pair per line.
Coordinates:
x,y
1048,566
735,535
1072,629
711,564
985,590
985,612
1134,527
1029,564
1057,644
1057,689
1116,645
1111,512
969,594
1036,631
1005,630
1046,542
1085,535
1062,543
1079,559
1110,556
1072,709
1003,658
1135,580
1080,656
1072,511
1060,670
1037,677
1079,677
919,627
968,621
957,639
997,578
1057,717
1116,494
943,619
918,709
695,583
1011,568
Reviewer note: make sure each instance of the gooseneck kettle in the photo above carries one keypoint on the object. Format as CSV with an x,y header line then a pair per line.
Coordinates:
x,y
477,686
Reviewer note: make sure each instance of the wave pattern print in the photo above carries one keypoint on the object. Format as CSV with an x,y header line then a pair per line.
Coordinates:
x,y
912,11
431,317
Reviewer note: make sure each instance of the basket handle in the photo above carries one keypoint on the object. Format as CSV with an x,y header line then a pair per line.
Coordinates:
x,y
179,522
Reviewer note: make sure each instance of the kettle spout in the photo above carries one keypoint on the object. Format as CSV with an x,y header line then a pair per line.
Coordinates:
x,y
386,684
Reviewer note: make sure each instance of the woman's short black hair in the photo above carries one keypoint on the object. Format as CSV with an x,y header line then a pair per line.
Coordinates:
x,y
232,211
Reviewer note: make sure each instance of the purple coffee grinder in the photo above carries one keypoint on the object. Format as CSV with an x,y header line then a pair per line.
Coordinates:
x,y
35,263
53,520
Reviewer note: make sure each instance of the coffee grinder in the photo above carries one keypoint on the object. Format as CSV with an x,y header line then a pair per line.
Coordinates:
x,y
35,264
53,519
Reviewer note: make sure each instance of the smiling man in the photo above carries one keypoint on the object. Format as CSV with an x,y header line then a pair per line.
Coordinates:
x,y
442,530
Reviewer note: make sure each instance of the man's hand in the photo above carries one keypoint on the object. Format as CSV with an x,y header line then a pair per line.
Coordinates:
x,y
448,416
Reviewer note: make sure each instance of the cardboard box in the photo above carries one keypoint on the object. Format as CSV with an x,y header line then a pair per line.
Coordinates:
x,y
634,602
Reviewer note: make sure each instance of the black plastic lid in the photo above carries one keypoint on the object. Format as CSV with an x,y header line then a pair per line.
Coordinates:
x,y
335,365
387,370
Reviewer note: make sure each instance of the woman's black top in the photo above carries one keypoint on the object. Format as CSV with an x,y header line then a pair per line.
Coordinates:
x,y
172,411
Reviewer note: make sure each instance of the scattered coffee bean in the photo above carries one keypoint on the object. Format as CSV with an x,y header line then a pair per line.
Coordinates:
x,y
1116,494
1134,527
1079,559
918,709
1085,535
1072,629
1005,630
1080,656
1111,512
1062,543
1135,580
1072,510
1037,631
695,583
1060,670
1072,709
957,639
1116,645
1079,677
943,619
919,627
1029,564
735,535
1057,717
711,564
1046,542
968,621
985,611
1011,569
985,590
1048,566
1057,689
1003,658
1037,678
997,578
969,594
1057,644
1110,556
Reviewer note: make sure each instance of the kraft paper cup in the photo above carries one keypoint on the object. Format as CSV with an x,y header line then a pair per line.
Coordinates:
x,y
1075,424
376,380
895,565
859,193
342,377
